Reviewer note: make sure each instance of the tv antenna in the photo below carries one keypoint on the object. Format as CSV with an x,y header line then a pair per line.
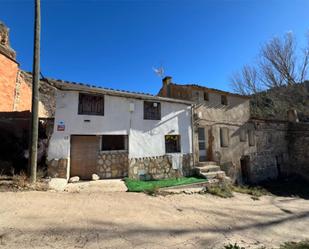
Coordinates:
x,y
159,71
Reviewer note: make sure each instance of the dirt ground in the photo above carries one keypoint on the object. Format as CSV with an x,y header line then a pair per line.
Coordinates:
x,y
98,219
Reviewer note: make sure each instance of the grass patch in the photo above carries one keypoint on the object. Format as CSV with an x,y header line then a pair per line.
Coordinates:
x,y
295,245
222,190
287,245
150,186
255,191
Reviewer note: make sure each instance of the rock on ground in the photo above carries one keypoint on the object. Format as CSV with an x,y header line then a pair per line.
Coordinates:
x,y
95,177
74,179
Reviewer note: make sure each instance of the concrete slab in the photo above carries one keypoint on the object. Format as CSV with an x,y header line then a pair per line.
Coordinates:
x,y
108,185
58,184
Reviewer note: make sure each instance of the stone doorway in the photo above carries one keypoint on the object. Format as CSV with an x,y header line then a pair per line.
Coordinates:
x,y
245,169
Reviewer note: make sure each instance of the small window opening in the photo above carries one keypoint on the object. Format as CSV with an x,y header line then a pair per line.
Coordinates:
x,y
206,96
152,110
224,100
114,142
172,143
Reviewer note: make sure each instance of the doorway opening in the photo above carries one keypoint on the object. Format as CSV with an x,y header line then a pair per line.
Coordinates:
x,y
245,169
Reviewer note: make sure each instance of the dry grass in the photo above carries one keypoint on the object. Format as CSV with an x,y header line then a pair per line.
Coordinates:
x,y
20,182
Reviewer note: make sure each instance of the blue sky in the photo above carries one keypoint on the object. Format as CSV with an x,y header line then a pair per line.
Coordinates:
x,y
117,43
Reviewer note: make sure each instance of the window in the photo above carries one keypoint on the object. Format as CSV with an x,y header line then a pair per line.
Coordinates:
x,y
206,96
91,104
224,137
223,100
152,110
243,135
251,139
114,142
172,143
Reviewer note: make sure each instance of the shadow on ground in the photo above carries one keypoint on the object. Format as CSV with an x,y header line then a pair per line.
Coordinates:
x,y
288,187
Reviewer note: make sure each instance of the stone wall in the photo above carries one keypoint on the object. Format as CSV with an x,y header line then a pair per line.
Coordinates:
x,y
271,156
112,164
58,168
159,167
298,136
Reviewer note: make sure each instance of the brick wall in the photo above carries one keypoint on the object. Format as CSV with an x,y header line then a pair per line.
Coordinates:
x,y
8,75
23,93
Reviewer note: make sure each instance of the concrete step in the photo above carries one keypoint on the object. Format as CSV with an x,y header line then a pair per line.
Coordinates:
x,y
207,163
211,175
209,168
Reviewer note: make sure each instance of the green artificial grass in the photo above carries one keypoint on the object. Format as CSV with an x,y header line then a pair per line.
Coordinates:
x,y
144,186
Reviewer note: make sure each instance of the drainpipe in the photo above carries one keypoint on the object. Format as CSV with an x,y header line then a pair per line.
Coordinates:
x,y
192,135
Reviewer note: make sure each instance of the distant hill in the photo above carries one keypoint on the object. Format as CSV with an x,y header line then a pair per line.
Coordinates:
x,y
274,103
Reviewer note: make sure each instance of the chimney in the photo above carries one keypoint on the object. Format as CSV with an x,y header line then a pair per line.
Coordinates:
x,y
5,42
167,80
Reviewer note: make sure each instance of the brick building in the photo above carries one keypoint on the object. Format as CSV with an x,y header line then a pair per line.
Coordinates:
x,y
15,84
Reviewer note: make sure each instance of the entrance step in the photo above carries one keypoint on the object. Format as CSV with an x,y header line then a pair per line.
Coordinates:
x,y
213,175
209,168
211,171
207,163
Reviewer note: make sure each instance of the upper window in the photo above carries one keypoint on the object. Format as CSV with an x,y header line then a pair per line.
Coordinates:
x,y
224,100
114,142
243,135
152,110
91,104
172,143
206,96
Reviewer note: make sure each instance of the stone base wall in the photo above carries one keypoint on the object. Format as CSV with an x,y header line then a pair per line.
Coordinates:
x,y
112,164
159,167
271,157
298,136
58,168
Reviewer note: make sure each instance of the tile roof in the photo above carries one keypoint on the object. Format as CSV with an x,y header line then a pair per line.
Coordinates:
x,y
71,85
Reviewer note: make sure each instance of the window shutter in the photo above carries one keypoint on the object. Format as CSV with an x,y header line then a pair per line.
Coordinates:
x,y
224,137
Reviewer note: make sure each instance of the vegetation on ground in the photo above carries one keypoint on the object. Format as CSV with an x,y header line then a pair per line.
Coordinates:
x,y
226,190
286,245
153,185
222,190
20,182
292,186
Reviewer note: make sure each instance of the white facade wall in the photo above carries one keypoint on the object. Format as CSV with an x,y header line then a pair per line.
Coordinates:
x,y
146,137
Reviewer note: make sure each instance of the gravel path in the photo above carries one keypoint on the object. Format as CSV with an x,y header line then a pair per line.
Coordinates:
x,y
130,220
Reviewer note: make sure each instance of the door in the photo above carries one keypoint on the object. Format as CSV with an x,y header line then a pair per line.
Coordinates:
x,y
84,153
245,169
202,144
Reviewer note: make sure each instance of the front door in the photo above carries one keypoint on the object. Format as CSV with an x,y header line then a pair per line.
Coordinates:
x,y
84,153
202,144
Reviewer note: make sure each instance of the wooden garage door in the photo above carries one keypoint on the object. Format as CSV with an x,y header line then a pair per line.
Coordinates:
x,y
84,153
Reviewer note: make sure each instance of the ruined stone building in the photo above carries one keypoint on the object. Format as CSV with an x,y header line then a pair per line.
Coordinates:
x,y
246,149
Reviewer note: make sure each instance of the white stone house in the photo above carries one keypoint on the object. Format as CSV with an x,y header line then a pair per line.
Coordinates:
x,y
116,134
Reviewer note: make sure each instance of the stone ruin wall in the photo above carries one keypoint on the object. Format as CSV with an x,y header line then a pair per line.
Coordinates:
x,y
298,136
271,156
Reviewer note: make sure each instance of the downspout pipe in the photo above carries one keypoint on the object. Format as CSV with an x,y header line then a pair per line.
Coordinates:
x,y
192,134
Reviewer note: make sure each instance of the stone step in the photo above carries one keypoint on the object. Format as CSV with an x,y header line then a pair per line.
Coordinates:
x,y
209,168
207,163
211,175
